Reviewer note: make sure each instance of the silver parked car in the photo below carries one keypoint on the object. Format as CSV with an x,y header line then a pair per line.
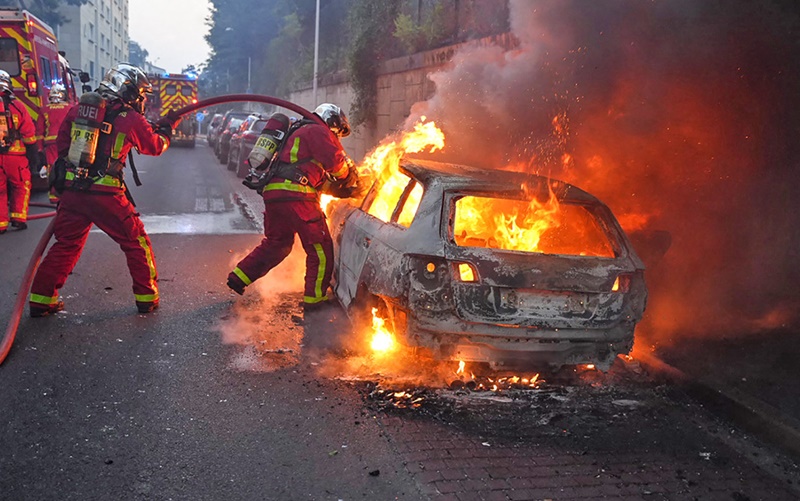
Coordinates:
x,y
515,270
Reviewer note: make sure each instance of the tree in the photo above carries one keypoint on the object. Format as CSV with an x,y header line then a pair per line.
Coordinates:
x,y
48,10
137,54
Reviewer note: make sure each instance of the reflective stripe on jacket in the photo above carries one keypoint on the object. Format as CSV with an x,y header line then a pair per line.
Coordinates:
x,y
325,156
128,130
24,125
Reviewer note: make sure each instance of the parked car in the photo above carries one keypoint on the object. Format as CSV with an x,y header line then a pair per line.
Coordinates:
x,y
483,265
223,126
213,129
242,143
224,139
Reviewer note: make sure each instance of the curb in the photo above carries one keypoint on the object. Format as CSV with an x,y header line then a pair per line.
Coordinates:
x,y
757,417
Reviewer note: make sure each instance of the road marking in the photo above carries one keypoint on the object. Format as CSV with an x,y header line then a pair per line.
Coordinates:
x,y
205,223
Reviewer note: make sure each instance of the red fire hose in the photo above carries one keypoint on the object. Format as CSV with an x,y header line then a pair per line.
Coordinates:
x,y
27,278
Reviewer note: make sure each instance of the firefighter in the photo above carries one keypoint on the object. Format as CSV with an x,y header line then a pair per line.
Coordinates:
x,y
311,155
19,152
95,193
55,111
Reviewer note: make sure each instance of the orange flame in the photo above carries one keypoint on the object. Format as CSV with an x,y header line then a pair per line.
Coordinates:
x,y
382,340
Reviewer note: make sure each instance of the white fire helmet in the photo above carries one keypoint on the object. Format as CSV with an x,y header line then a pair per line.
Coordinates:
x,y
128,83
335,118
58,94
5,82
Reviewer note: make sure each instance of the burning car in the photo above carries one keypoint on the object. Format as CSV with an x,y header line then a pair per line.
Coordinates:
x,y
478,265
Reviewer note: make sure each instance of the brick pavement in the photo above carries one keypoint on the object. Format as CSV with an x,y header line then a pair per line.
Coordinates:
x,y
676,460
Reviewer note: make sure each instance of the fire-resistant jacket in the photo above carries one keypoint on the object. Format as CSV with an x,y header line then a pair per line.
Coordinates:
x,y
23,123
128,130
320,154
54,116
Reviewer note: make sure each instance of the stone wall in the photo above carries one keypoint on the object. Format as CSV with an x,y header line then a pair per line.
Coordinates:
x,y
401,83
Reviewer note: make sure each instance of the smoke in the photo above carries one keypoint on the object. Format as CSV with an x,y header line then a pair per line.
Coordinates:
x,y
259,320
680,115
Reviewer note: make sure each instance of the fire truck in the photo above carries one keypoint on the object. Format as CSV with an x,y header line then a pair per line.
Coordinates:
x,y
29,53
172,91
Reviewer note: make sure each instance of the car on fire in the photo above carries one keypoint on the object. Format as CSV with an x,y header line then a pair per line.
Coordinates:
x,y
497,267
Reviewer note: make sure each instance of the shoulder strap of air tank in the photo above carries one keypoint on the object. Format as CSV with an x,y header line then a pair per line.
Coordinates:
x,y
105,137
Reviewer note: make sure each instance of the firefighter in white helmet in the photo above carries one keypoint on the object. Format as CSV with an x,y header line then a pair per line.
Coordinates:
x,y
54,114
93,191
310,156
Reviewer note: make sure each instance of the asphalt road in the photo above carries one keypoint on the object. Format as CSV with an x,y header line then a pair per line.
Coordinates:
x,y
214,397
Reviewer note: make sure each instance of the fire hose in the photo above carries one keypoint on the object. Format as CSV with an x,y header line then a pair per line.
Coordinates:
x,y
27,278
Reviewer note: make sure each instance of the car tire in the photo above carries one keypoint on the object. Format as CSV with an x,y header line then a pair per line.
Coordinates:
x,y
360,313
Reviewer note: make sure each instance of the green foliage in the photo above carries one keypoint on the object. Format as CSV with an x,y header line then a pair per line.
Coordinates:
x,y
369,23
47,10
417,37
137,55
277,37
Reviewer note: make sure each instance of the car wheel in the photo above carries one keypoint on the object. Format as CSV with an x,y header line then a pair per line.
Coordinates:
x,y
361,315
231,162
223,156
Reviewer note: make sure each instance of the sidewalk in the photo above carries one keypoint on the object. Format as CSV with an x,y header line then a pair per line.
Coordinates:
x,y
752,379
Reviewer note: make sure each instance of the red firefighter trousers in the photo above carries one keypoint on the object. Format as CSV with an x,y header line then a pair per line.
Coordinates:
x,y
15,189
281,221
113,214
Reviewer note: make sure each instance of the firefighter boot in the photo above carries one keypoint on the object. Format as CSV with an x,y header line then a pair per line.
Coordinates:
x,y
18,225
146,307
43,311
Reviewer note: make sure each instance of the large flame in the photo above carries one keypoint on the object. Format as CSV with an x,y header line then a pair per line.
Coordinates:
x,y
383,164
505,224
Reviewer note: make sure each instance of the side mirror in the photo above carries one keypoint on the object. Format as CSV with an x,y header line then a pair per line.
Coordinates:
x,y
84,77
86,88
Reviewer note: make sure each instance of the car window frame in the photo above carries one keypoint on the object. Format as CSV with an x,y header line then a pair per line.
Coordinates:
x,y
401,201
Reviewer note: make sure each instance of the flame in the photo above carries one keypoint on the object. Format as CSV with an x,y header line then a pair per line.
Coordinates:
x,y
383,164
382,340
505,224
324,200
461,365
387,155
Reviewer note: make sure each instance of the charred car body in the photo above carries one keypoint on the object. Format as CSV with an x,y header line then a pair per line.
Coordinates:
x,y
459,261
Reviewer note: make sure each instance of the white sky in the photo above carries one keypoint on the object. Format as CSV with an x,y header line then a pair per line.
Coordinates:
x,y
171,31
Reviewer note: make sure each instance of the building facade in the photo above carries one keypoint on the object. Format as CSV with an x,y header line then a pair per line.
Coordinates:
x,y
95,37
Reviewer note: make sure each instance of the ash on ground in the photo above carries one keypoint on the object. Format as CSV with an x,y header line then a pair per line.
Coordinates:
x,y
574,403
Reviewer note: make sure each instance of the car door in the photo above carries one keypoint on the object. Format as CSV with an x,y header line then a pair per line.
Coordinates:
x,y
373,232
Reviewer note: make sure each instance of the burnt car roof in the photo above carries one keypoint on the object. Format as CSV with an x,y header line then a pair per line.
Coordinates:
x,y
463,177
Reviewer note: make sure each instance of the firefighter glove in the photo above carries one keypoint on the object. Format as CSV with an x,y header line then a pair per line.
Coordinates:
x,y
163,127
172,118
36,158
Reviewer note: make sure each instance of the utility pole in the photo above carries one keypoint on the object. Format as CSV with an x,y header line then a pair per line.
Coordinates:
x,y
316,53
249,89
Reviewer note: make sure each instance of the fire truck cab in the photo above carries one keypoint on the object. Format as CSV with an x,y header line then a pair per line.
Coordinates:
x,y
29,53
172,91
